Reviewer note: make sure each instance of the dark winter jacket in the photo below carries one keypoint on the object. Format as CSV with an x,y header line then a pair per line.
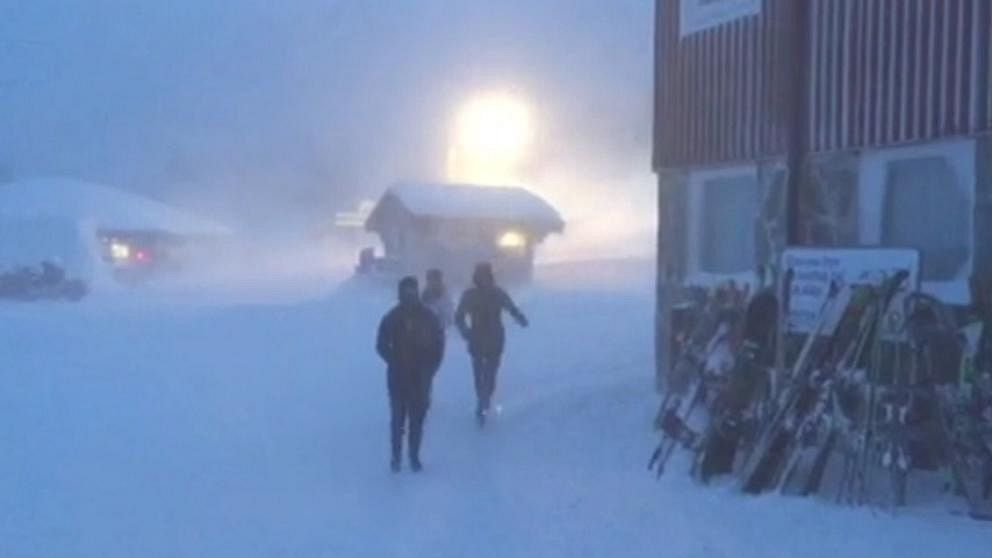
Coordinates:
x,y
480,319
411,342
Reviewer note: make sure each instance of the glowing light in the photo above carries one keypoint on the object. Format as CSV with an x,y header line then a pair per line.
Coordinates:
x,y
491,137
512,240
119,250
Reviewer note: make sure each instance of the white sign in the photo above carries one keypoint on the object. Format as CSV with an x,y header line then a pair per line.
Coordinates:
x,y
699,15
815,268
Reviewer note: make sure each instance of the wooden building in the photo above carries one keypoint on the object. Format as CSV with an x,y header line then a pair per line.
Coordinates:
x,y
454,226
822,123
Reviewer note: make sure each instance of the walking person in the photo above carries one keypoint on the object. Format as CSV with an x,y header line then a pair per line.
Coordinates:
x,y
437,299
479,318
411,342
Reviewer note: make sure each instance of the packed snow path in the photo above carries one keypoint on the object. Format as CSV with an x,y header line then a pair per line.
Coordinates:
x,y
262,431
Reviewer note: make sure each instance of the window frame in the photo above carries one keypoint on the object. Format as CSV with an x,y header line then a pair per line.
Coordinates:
x,y
696,182
873,187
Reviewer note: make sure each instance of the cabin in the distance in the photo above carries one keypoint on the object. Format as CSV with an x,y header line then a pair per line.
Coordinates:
x,y
454,226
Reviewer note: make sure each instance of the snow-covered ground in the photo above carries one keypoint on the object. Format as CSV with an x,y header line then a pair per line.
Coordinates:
x,y
240,430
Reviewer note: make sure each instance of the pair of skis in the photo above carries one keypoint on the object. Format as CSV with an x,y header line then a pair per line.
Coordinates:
x,y
675,428
674,418
801,409
688,389
735,411
784,399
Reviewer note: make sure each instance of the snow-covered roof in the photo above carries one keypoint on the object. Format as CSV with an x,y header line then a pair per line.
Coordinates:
x,y
104,206
466,201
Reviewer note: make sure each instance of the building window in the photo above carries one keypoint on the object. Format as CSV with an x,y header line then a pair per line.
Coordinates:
x,y
925,208
727,215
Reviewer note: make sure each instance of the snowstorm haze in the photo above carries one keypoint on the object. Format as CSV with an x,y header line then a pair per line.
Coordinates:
x,y
273,115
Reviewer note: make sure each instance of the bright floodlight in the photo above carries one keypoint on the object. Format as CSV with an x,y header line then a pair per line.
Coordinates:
x,y
491,137
494,126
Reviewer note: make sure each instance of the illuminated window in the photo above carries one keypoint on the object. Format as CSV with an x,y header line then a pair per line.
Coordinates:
x,y
512,240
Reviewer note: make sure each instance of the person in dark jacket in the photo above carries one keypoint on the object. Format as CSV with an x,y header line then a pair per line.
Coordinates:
x,y
436,297
479,318
411,342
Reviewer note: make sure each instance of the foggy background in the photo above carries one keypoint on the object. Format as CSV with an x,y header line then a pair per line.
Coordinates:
x,y
272,116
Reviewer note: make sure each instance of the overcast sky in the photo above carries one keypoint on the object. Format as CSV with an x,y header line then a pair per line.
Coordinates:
x,y
254,109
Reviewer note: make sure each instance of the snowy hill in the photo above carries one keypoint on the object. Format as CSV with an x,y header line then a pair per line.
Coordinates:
x,y
98,205
242,431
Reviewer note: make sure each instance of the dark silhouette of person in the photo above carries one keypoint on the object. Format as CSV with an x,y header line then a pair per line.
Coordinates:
x,y
411,342
479,318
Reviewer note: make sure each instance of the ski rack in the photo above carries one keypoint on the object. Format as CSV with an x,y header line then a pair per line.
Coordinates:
x,y
850,393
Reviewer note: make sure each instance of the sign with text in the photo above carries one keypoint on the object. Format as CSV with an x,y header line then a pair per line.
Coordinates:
x,y
699,15
815,268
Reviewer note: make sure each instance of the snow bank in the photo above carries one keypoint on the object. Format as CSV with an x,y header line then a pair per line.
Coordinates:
x,y
98,205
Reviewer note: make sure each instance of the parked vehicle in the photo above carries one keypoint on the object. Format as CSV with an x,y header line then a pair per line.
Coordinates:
x,y
47,282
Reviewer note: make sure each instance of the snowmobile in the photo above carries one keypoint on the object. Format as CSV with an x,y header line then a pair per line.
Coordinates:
x,y
47,283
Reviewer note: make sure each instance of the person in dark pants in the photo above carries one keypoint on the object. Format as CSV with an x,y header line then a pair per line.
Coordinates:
x,y
411,342
479,318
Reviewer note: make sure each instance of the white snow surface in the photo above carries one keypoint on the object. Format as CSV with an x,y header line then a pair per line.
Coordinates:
x,y
466,201
99,205
157,429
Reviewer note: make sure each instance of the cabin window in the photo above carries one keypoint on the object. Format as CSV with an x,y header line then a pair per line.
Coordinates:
x,y
726,224
925,207
923,197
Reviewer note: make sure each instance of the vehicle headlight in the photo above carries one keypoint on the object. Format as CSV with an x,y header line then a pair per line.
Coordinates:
x,y
119,250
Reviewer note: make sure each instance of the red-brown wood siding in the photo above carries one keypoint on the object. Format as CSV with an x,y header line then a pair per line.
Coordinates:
x,y
882,72
916,70
720,91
